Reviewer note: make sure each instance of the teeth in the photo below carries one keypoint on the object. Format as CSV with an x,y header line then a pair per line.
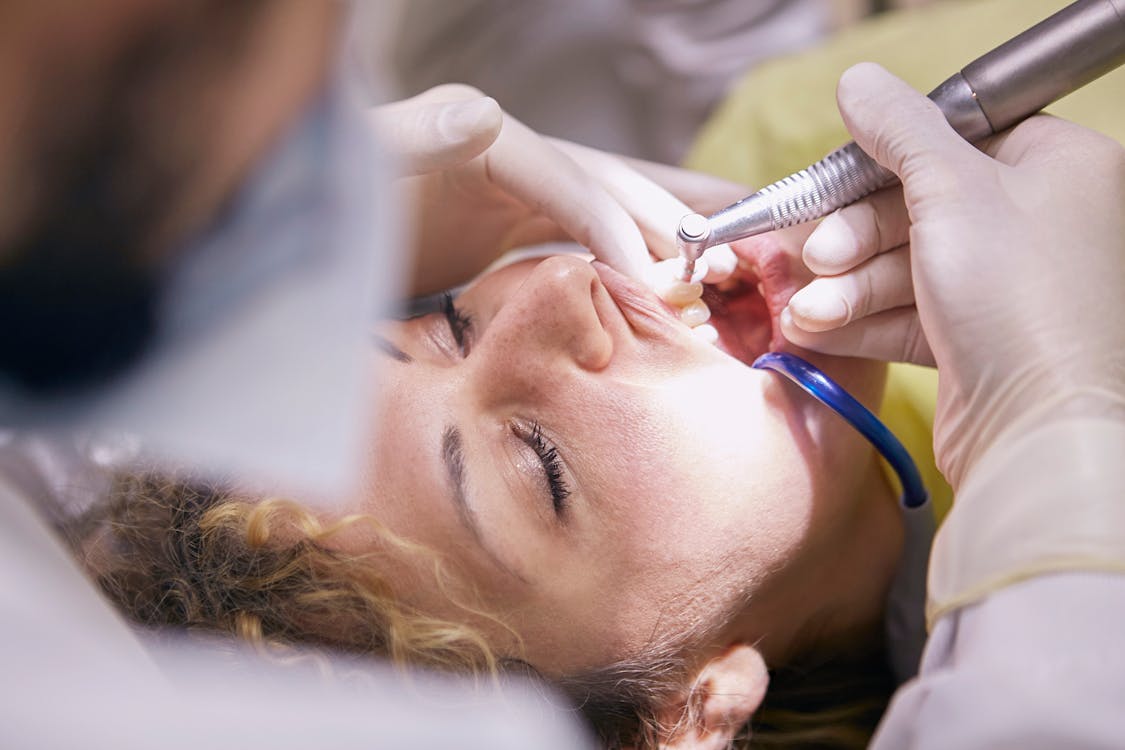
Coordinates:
x,y
678,293
706,332
664,279
696,313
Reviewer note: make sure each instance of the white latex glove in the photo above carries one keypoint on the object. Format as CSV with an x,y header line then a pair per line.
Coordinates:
x,y
1005,268
482,183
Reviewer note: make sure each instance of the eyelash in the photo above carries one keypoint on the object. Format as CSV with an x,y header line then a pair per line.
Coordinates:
x,y
460,323
552,466
461,326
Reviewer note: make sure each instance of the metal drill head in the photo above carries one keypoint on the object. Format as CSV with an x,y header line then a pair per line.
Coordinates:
x,y
691,240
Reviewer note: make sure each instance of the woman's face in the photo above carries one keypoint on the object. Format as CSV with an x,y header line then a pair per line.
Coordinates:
x,y
601,476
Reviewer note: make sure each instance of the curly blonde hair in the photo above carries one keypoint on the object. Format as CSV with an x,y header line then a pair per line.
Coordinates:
x,y
177,552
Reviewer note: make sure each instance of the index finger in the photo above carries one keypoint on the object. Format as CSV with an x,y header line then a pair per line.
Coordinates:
x,y
530,169
655,210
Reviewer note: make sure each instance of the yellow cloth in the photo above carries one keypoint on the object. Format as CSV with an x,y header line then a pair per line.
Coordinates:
x,y
782,116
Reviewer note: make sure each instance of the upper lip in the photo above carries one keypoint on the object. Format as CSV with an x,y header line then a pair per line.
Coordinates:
x,y
642,309
761,280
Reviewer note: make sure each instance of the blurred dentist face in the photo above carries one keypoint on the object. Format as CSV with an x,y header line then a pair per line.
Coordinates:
x,y
600,476
125,126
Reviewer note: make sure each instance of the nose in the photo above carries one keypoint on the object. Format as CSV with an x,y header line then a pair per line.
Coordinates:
x,y
548,326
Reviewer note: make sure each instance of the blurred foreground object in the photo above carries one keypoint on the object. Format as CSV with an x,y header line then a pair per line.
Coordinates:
x,y
195,233
258,362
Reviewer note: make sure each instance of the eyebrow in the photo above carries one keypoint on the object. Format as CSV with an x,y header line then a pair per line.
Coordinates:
x,y
390,349
453,456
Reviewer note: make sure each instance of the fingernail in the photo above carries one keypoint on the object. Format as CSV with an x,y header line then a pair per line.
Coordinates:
x,y
786,323
466,120
695,313
819,306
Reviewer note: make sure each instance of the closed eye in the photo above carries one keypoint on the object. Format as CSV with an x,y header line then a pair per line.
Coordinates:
x,y
551,462
460,324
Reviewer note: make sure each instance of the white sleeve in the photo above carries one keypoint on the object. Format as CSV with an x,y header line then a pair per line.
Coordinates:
x,y
1026,601
1039,664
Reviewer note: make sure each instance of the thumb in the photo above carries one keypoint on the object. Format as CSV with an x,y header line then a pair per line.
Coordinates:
x,y
429,136
900,128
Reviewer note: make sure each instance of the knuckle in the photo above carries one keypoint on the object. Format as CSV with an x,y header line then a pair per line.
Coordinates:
x,y
865,300
874,227
937,176
914,347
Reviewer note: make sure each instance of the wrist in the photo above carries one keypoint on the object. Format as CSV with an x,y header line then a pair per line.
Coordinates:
x,y
1043,500
962,443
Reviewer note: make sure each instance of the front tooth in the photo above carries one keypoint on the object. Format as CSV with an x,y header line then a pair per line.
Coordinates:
x,y
706,333
695,313
676,292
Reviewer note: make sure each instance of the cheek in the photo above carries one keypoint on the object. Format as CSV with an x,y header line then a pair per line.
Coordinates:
x,y
737,484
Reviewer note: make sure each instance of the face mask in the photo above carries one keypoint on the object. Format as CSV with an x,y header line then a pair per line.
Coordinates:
x,y
254,357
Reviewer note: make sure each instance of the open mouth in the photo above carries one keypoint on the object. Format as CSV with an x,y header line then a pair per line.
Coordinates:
x,y
746,307
740,314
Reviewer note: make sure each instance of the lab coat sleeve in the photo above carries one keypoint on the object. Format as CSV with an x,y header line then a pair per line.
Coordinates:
x,y
1026,600
1040,664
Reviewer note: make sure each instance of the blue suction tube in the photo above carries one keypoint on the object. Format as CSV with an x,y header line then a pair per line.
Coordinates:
x,y
828,392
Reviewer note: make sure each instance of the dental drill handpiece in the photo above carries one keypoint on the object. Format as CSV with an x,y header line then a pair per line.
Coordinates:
x,y
1080,43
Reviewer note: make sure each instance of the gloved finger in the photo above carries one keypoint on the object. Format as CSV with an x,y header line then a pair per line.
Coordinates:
x,y
891,336
721,263
857,232
429,136
829,302
903,130
1045,139
532,170
705,193
656,211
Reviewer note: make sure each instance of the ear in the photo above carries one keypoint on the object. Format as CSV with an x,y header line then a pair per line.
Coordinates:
x,y
724,695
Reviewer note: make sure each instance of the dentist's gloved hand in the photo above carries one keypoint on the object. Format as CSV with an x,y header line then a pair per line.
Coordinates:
x,y
1005,268
481,182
